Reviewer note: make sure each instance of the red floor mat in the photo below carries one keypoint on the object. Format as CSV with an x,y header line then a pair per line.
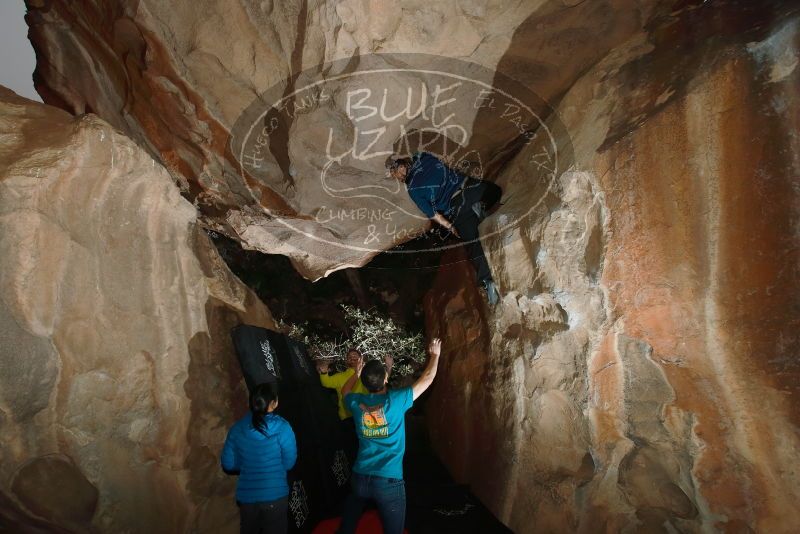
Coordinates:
x,y
370,524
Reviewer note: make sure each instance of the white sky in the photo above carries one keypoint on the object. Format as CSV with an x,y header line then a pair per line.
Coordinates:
x,y
17,59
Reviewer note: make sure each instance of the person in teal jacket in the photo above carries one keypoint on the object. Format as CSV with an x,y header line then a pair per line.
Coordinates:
x,y
261,448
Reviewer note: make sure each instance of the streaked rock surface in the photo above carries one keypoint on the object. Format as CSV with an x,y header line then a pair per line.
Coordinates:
x,y
117,378
641,371
177,76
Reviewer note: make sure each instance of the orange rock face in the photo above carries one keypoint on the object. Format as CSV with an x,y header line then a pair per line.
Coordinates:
x,y
118,377
670,398
707,277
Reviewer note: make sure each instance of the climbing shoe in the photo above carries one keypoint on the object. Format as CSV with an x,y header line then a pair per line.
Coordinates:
x,y
492,295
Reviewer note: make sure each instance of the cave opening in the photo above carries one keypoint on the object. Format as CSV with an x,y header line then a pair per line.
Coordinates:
x,y
392,285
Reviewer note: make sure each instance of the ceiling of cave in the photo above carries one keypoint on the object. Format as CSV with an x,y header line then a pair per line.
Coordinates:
x,y
276,122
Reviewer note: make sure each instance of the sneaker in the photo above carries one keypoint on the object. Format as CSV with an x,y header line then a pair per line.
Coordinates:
x,y
479,208
492,295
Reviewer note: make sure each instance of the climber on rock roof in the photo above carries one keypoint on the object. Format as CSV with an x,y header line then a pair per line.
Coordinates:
x,y
453,200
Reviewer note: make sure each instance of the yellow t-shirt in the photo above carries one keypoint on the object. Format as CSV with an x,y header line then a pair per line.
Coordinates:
x,y
336,381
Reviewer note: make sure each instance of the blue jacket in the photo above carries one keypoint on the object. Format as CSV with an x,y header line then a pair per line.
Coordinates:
x,y
262,460
431,184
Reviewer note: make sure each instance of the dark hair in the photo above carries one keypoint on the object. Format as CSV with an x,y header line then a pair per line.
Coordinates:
x,y
260,399
392,163
373,376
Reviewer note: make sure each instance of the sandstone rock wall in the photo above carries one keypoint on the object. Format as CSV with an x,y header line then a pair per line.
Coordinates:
x,y
176,77
117,378
641,373
506,412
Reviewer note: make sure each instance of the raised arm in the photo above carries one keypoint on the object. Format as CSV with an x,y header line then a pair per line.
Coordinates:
x,y
388,362
328,381
426,379
351,382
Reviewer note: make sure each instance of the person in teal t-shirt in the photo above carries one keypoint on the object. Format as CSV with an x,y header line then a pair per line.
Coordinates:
x,y
336,382
379,417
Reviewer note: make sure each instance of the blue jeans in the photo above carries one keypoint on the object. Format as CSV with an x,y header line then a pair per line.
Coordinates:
x,y
388,493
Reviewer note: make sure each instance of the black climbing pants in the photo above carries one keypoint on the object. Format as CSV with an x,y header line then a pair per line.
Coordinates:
x,y
466,220
264,517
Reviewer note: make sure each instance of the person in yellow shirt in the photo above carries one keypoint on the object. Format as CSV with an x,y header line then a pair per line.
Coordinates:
x,y
336,381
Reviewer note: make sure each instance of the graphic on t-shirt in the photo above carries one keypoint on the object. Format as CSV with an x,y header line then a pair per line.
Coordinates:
x,y
373,422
